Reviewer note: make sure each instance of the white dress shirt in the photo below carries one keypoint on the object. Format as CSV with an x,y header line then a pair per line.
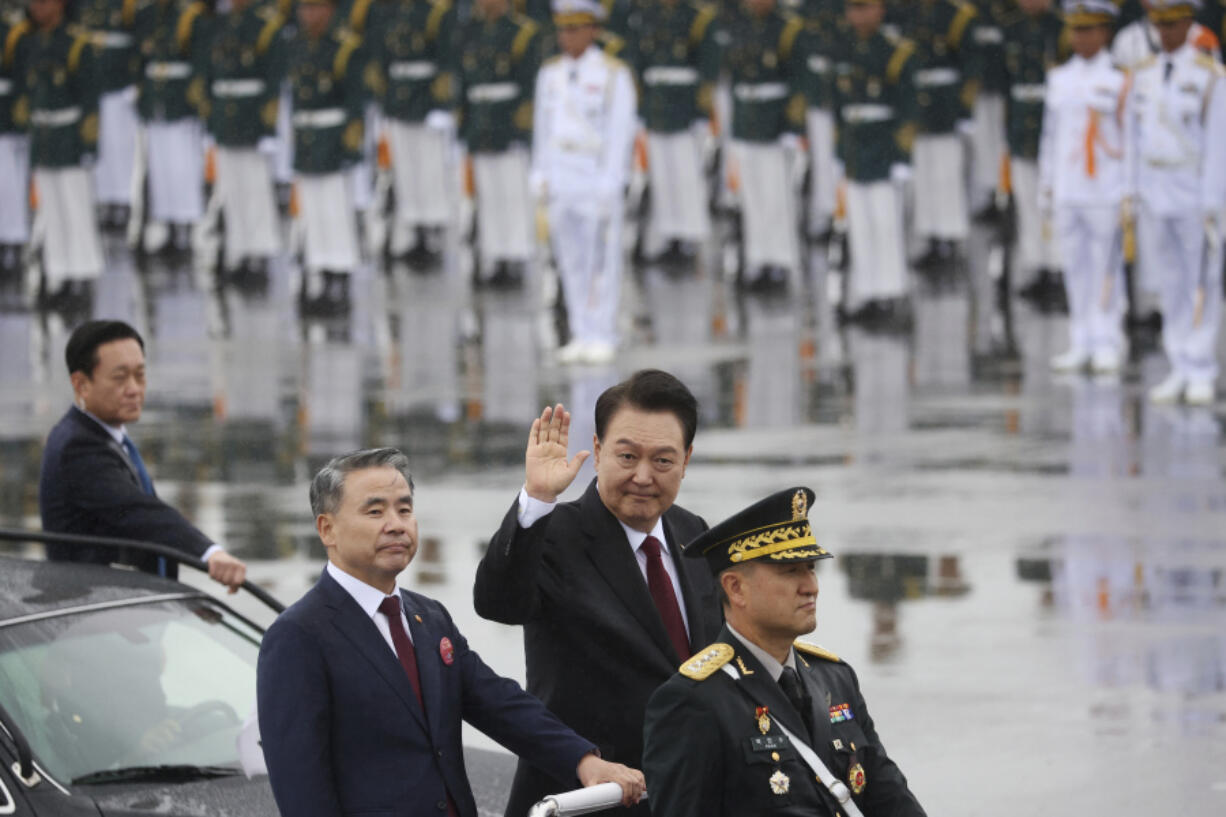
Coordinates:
x,y
369,598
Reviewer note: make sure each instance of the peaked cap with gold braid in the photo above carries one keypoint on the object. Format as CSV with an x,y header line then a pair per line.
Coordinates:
x,y
774,530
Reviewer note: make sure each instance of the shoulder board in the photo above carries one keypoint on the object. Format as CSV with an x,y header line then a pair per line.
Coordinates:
x,y
816,651
791,31
129,12
358,14
707,661
612,45
966,13
902,52
1203,60
80,41
435,20
183,31
527,30
702,21
270,29
10,42
350,42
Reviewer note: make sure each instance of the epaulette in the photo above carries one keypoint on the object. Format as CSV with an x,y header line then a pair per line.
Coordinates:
x,y
435,20
791,31
702,21
816,651
10,42
966,13
272,25
527,30
612,45
903,50
183,31
707,661
129,12
350,42
80,40
358,14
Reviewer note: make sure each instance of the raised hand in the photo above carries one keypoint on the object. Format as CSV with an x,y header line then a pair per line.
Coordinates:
x,y
547,472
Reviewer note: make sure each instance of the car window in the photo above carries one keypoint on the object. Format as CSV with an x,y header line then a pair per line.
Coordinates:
x,y
167,682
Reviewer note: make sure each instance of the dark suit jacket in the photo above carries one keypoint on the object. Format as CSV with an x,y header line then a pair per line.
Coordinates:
x,y
595,645
343,733
89,486
706,754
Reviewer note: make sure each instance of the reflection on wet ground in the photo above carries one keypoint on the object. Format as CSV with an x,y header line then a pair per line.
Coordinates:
x,y
1029,571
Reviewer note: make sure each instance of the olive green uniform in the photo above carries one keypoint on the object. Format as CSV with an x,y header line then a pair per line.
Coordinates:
x,y
117,63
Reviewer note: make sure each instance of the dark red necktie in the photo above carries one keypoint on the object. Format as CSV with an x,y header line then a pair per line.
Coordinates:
x,y
661,589
390,607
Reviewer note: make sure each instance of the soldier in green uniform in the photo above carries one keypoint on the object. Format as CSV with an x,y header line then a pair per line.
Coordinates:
x,y
238,90
676,61
325,70
14,152
1032,46
988,147
171,36
818,44
875,118
499,54
768,117
760,722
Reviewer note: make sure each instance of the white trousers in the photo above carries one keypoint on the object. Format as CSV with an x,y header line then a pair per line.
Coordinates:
x,y
767,208
421,174
1036,248
505,216
587,245
176,171
72,248
244,187
940,187
678,191
326,214
875,240
989,144
1190,277
823,186
14,188
1093,264
117,133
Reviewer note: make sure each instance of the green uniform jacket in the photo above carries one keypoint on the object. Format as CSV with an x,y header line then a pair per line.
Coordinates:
x,y
824,30
765,69
59,95
11,34
241,78
414,50
111,24
497,67
675,59
326,77
988,39
945,83
1032,48
714,746
874,105
170,34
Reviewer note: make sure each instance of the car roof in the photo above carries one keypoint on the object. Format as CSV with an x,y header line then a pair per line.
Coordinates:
x,y
32,588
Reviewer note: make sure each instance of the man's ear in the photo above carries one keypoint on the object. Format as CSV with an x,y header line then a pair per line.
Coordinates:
x,y
323,524
79,382
732,581
595,450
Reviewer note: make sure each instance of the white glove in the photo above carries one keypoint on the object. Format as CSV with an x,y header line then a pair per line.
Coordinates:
x,y
790,142
440,120
900,173
966,127
267,145
1045,202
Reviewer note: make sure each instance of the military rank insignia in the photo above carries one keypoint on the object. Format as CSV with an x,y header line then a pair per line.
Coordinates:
x,y
780,783
762,714
840,713
856,779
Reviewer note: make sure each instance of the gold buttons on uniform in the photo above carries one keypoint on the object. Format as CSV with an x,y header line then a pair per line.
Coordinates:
x,y
775,756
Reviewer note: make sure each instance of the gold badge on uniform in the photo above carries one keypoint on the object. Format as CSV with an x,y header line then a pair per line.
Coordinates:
x,y
855,779
762,714
780,782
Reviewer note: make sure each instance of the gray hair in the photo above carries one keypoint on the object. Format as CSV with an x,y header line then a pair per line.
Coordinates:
x,y
328,484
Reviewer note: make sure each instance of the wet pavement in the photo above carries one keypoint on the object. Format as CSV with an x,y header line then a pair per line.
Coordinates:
x,y
1029,572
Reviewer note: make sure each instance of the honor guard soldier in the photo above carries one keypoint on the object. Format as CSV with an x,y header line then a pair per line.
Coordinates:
x,y
414,46
819,44
59,102
326,74
676,58
1178,174
172,38
874,104
240,90
117,66
498,60
760,722
1082,162
14,151
768,117
1032,48
945,88
582,137
988,145
1138,41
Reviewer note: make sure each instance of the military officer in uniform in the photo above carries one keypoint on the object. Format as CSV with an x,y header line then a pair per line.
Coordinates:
x,y
14,152
498,60
1178,174
760,722
239,92
1082,162
582,136
875,114
326,74
676,59
819,44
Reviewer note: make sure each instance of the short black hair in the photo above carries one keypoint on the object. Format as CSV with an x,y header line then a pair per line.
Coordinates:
x,y
649,390
329,484
81,354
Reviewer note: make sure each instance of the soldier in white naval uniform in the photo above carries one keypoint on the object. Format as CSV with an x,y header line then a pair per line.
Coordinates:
x,y
1178,172
1082,183
583,132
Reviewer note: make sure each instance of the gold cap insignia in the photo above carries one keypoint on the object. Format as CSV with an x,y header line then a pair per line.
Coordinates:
x,y
800,505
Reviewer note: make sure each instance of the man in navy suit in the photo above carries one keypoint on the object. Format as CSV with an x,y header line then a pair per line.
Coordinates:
x,y
362,687
93,479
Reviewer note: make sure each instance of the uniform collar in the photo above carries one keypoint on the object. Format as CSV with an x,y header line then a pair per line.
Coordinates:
x,y
767,660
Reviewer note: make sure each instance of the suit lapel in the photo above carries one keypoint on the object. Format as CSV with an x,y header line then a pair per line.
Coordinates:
x,y
694,614
91,427
429,665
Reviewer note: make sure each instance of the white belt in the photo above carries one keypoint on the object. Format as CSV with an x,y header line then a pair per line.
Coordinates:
x,y
576,146
322,118
818,64
493,92
989,35
1028,93
168,70
412,69
237,88
868,112
933,77
6,87
760,91
56,118
111,39
1163,163
670,75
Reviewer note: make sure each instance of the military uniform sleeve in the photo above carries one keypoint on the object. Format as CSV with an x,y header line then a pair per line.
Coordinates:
x,y
443,90
506,587
526,54
85,82
682,753
908,109
961,40
706,29
792,57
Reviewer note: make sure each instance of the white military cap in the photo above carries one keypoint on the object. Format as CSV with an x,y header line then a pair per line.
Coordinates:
x,y
1079,13
577,12
1162,11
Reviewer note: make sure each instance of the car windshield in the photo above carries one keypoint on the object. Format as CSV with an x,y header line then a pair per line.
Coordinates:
x,y
168,682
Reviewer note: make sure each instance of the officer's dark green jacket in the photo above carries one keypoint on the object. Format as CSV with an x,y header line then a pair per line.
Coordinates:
x,y
1032,48
874,105
171,37
326,75
240,80
945,72
496,72
413,47
675,58
818,44
111,24
11,33
58,94
764,68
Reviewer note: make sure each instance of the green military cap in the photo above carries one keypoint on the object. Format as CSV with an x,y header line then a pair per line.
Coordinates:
x,y
1169,11
1088,13
775,529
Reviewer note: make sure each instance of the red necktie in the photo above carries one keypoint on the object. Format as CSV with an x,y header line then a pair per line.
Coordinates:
x,y
661,589
390,607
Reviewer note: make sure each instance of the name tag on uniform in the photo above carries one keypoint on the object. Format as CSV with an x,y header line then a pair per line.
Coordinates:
x,y
768,743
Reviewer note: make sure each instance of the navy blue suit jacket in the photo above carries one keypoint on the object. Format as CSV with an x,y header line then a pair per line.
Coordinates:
x,y
89,486
343,732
